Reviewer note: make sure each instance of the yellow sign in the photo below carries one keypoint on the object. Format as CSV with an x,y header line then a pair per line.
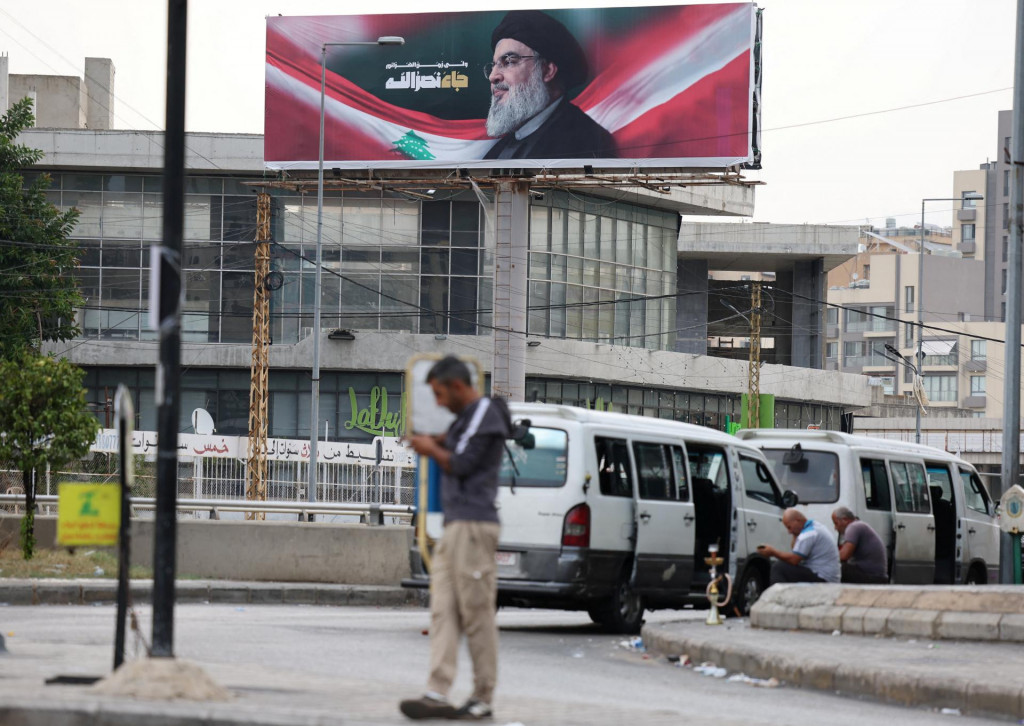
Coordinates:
x,y
88,514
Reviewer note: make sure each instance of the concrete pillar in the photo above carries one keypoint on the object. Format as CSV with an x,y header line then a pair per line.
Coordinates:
x,y
692,307
99,88
4,92
808,318
511,246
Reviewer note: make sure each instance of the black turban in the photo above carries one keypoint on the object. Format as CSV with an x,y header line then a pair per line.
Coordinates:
x,y
549,38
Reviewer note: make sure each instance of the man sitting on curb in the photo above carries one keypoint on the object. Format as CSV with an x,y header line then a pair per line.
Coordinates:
x,y
814,557
862,553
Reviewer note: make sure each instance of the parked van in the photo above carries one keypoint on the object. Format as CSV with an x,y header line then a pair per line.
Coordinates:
x,y
614,514
928,506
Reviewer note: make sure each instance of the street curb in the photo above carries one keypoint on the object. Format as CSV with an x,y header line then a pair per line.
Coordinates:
x,y
874,680
83,712
97,592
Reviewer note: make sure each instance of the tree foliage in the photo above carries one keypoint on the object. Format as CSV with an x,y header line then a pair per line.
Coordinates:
x,y
38,290
43,421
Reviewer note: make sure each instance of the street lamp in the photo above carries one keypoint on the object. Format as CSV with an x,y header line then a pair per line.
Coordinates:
x,y
974,196
314,403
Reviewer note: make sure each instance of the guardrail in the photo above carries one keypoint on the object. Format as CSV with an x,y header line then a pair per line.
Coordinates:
x,y
368,513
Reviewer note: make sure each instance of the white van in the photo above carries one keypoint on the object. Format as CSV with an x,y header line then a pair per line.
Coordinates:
x,y
613,513
928,506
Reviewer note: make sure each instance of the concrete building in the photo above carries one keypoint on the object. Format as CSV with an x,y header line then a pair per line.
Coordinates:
x,y
67,102
618,293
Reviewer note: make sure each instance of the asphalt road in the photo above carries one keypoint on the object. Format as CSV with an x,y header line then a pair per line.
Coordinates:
x,y
354,664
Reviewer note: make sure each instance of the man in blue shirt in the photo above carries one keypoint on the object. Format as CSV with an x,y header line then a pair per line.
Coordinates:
x,y
815,557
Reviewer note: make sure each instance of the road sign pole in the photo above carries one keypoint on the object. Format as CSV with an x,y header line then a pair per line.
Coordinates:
x,y
125,429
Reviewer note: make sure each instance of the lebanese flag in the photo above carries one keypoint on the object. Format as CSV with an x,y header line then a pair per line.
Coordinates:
x,y
677,91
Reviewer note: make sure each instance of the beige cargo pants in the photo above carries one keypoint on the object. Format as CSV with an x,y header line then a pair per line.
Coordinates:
x,y
463,593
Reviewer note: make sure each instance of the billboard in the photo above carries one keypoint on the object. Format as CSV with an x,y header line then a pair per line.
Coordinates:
x,y
672,86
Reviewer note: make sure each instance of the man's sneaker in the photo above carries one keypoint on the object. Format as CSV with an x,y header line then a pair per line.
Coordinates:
x,y
427,706
474,710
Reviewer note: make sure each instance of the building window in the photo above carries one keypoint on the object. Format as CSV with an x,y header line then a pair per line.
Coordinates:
x,y
977,385
940,388
1006,215
908,298
1006,182
1006,247
968,201
908,374
978,349
1002,312
832,316
967,232
856,320
832,350
1004,280
1006,146
908,335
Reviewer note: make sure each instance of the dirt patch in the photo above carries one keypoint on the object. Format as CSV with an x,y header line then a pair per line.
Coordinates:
x,y
164,679
64,563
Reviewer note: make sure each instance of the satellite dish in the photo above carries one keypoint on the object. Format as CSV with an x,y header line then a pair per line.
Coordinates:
x,y
854,276
202,422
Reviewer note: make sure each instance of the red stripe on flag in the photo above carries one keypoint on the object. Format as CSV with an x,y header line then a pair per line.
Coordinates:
x,y
710,119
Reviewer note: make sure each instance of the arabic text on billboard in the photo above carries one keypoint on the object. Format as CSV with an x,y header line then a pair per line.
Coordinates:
x,y
613,87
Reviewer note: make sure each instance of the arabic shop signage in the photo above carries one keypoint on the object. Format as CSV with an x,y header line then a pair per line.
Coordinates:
x,y
645,86
381,416
144,443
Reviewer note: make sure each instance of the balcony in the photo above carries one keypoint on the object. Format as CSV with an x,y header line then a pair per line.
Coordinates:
x,y
975,401
873,325
976,365
968,247
966,215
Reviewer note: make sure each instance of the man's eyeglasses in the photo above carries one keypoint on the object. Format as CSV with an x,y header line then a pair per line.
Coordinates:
x,y
509,60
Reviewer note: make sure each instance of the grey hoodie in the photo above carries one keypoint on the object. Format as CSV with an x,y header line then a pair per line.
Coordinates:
x,y
476,440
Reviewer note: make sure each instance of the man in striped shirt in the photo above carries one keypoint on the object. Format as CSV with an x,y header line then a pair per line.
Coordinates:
x,y
463,574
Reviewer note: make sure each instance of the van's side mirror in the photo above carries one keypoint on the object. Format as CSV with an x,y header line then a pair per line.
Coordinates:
x,y
790,499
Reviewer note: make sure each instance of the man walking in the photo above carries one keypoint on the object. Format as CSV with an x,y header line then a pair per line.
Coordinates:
x,y
463,574
814,558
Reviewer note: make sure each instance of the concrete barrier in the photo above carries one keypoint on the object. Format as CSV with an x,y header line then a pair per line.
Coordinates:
x,y
935,612
351,554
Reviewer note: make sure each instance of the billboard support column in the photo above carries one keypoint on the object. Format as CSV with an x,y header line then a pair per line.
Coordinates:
x,y
512,207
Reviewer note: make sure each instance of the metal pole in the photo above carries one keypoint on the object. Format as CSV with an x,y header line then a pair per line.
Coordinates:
x,y
168,367
1011,365
919,357
314,402
125,428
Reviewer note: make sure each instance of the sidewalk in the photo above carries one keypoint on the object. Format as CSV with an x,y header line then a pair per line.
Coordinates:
x,y
980,678
90,591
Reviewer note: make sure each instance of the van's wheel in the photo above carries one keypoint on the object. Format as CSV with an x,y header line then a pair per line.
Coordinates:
x,y
976,576
622,612
750,588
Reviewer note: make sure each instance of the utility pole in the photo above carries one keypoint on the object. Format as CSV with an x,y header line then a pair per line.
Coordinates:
x,y
511,245
754,360
256,464
1011,365
168,369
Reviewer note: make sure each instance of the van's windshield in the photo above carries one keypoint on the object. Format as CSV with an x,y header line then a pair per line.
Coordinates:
x,y
541,460
813,475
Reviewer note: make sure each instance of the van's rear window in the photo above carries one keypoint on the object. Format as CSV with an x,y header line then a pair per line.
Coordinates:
x,y
813,475
540,461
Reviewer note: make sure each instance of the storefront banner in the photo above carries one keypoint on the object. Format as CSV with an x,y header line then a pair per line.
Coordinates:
x,y
643,87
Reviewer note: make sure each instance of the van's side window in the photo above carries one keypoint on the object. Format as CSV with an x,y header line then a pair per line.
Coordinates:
x,y
614,473
876,484
975,495
910,486
654,471
708,465
679,465
757,482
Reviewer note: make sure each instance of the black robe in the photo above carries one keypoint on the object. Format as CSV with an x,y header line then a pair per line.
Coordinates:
x,y
568,133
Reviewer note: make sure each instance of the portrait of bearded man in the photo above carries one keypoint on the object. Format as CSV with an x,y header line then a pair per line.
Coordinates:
x,y
536,62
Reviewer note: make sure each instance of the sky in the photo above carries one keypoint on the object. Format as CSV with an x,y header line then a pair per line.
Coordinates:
x,y
868,105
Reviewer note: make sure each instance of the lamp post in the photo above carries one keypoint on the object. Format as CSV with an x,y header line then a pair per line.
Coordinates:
x,y
919,357
314,403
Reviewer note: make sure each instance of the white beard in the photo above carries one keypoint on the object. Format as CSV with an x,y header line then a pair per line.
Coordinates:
x,y
521,103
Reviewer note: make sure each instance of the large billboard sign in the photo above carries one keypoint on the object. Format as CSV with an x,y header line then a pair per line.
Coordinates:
x,y
672,86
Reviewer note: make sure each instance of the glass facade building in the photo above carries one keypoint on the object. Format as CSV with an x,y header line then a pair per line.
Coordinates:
x,y
599,270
